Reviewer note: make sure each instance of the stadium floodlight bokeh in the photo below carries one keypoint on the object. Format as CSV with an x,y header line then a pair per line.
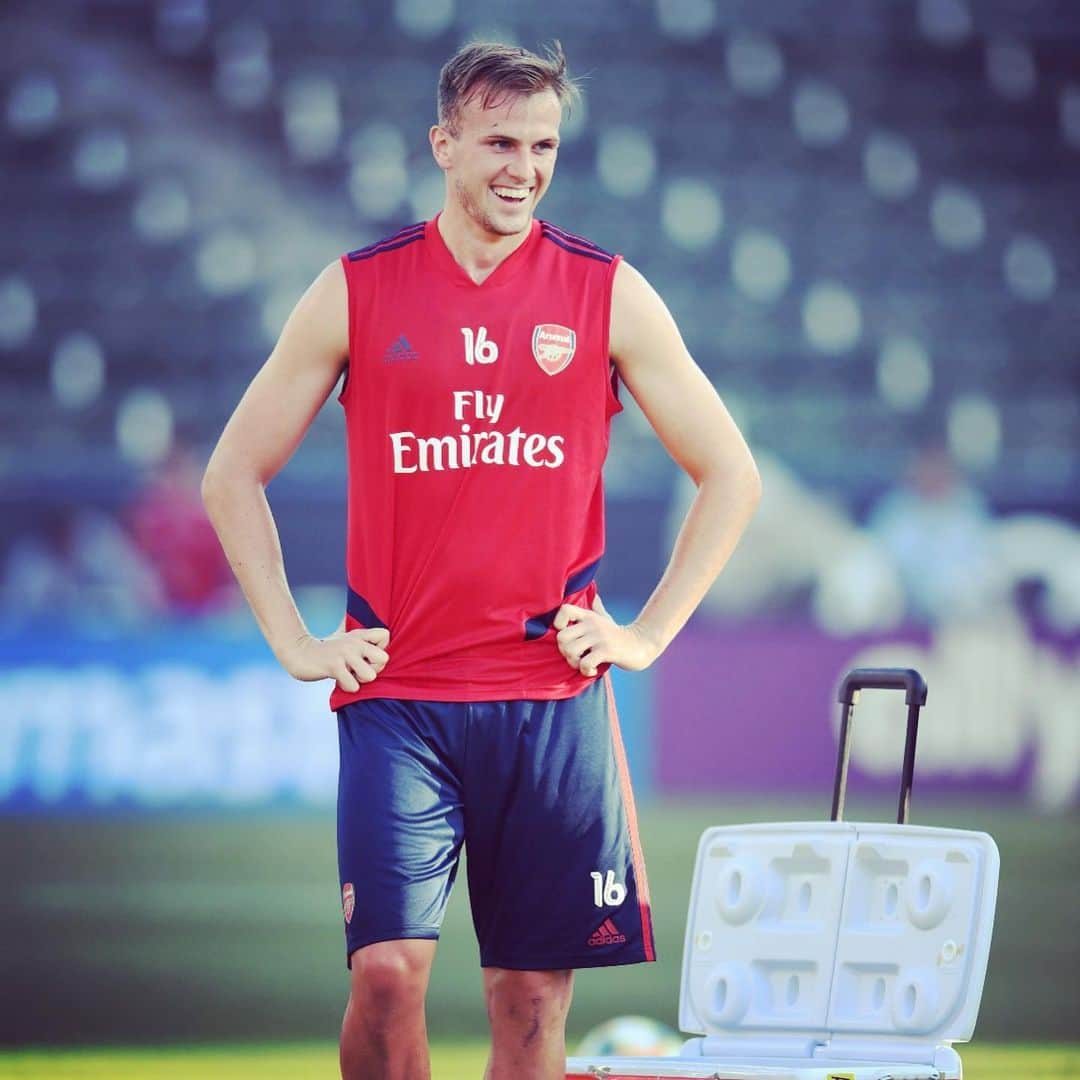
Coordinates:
x,y
862,216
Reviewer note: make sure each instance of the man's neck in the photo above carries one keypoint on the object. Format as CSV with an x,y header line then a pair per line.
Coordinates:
x,y
477,251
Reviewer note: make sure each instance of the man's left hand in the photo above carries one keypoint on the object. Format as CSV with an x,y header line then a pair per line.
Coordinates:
x,y
588,639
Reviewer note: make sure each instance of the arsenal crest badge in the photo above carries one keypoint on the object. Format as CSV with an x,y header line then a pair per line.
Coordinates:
x,y
348,901
553,347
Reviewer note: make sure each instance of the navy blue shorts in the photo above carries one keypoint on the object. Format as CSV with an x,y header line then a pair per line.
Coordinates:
x,y
539,794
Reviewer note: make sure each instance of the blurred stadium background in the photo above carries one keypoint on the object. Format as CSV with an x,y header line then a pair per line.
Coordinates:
x,y
863,215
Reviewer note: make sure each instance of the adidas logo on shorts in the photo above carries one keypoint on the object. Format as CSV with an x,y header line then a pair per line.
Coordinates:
x,y
607,934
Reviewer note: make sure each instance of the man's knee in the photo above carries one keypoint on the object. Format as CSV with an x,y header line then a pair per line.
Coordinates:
x,y
534,994
391,975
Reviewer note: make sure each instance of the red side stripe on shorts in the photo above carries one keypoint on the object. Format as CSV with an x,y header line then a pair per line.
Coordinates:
x,y
644,904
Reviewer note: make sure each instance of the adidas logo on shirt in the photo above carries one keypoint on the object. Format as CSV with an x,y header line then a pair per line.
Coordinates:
x,y
607,934
400,351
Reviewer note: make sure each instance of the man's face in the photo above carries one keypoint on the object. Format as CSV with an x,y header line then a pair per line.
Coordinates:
x,y
500,162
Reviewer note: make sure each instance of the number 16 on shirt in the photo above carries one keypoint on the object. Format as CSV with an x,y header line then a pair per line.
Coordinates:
x,y
478,350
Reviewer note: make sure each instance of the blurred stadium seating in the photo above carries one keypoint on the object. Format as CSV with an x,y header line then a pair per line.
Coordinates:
x,y
861,214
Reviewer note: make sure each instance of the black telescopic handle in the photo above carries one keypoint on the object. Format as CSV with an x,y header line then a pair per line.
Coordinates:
x,y
866,678
914,685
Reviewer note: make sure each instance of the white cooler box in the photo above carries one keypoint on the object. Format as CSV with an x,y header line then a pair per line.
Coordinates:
x,y
833,950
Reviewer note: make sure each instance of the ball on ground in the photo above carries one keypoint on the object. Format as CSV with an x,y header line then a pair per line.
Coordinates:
x,y
630,1036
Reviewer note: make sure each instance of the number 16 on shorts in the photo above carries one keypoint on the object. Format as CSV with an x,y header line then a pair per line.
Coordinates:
x,y
607,892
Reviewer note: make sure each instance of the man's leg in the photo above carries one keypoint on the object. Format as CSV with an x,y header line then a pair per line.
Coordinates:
x,y
400,830
384,1034
527,1012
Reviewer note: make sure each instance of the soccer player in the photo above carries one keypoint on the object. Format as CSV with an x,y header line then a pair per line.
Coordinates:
x,y
482,354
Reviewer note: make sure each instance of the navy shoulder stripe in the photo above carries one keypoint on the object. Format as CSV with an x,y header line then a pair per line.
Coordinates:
x,y
589,253
573,238
389,243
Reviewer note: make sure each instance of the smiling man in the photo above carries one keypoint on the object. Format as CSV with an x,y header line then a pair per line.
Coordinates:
x,y
482,353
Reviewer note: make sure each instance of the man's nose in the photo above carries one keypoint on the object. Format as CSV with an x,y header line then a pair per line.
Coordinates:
x,y
519,166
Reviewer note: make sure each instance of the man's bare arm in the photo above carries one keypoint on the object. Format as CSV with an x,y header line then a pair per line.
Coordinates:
x,y
267,426
697,430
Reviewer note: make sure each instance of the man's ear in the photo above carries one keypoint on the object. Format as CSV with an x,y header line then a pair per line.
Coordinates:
x,y
440,140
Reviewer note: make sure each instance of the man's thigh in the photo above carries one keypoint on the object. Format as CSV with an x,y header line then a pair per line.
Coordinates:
x,y
556,875
400,819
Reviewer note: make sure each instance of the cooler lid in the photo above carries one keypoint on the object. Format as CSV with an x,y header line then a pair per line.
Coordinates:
x,y
866,935
688,1069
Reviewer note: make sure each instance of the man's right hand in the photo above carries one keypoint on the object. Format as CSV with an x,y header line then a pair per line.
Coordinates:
x,y
351,657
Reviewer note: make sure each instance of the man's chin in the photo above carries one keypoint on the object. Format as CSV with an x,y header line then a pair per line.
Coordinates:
x,y
508,225
513,230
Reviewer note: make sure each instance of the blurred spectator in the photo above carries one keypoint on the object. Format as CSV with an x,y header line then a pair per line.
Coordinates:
x,y
171,529
80,566
931,552
938,530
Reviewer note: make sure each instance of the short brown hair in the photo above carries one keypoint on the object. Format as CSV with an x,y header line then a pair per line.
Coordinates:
x,y
496,71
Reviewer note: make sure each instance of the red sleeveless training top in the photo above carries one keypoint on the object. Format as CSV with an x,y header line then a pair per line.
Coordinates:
x,y
477,422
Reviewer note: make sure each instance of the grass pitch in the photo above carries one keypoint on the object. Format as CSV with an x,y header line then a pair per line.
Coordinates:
x,y
450,1061
224,930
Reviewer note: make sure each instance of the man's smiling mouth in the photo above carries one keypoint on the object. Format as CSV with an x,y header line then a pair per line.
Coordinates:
x,y
512,195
